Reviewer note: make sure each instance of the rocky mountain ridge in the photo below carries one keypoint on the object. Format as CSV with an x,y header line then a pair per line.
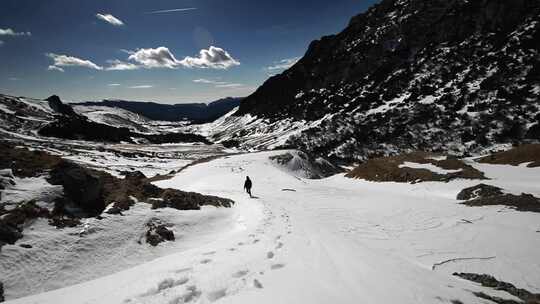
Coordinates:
x,y
192,112
28,118
454,76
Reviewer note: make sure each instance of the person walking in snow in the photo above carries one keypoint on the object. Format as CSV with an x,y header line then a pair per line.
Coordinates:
x,y
247,186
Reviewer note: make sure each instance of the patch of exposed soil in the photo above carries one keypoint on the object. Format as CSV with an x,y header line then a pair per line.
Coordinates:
x,y
515,156
488,281
387,169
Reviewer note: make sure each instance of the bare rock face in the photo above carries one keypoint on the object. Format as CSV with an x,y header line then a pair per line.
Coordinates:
x,y
441,75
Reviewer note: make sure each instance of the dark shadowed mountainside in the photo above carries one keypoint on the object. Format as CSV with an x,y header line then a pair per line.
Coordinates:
x,y
444,75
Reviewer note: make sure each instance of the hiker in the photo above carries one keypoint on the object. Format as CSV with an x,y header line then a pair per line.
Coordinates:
x,y
247,186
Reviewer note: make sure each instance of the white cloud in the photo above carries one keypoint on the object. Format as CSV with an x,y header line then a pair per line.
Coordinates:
x,y
118,65
173,10
110,19
160,57
218,84
10,32
69,61
113,85
214,58
141,87
229,85
55,68
283,64
208,81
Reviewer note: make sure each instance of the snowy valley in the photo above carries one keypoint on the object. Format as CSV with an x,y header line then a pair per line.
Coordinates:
x,y
397,161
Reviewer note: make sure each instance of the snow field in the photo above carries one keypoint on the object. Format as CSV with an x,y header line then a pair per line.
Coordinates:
x,y
334,240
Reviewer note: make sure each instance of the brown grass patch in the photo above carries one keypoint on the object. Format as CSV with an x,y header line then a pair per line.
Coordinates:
x,y
386,169
523,154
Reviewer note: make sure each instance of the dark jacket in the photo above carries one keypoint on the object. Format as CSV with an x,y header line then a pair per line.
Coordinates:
x,y
247,184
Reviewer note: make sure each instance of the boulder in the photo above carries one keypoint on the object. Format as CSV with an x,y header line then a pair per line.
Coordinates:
x,y
84,189
158,232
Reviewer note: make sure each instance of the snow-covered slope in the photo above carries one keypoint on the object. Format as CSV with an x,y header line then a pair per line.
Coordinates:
x,y
250,132
115,117
335,240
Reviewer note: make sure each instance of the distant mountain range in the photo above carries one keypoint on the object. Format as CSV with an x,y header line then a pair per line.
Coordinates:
x,y
193,112
456,76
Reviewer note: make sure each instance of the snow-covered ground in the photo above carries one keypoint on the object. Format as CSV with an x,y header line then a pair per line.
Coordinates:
x,y
335,240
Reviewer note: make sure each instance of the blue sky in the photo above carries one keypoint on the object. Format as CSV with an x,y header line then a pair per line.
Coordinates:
x,y
131,49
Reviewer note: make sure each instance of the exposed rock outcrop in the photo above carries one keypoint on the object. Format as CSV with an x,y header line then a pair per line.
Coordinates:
x,y
491,282
59,107
480,190
486,195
